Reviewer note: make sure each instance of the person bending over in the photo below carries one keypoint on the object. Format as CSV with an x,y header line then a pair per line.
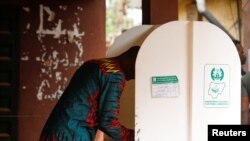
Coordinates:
x,y
91,101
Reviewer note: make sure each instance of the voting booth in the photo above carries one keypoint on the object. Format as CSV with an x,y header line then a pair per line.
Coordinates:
x,y
187,77
132,37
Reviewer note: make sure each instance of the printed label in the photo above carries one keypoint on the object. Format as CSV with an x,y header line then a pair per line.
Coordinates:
x,y
165,86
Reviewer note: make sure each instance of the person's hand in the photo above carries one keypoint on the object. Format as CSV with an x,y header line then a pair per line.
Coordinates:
x,y
99,136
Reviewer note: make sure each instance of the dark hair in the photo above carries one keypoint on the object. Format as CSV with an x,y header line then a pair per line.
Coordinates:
x,y
132,51
236,42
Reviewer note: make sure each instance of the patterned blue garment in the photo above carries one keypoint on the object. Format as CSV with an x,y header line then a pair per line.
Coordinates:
x,y
90,102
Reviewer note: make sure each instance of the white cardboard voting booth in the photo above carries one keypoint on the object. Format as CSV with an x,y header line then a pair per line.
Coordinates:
x,y
132,37
187,76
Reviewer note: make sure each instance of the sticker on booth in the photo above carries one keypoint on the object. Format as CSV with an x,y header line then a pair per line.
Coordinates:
x,y
216,89
165,86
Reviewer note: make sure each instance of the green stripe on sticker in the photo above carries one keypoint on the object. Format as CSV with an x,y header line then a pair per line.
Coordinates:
x,y
164,79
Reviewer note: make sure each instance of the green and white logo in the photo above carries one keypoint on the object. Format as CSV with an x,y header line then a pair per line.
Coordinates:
x,y
217,74
216,86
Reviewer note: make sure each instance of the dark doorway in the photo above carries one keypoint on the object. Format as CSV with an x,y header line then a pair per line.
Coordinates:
x,y
9,71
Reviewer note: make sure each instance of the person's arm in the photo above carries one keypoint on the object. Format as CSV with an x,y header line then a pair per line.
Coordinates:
x,y
244,104
108,121
244,110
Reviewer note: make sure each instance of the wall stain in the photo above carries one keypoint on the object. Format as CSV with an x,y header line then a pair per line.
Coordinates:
x,y
54,60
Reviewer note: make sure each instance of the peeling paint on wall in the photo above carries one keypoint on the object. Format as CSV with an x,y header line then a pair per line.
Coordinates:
x,y
63,7
57,31
25,58
26,9
54,59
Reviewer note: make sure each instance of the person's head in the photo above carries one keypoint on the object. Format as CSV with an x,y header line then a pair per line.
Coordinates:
x,y
240,50
127,62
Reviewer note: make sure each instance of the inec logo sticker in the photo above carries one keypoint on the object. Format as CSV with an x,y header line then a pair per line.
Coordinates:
x,y
216,89
217,85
